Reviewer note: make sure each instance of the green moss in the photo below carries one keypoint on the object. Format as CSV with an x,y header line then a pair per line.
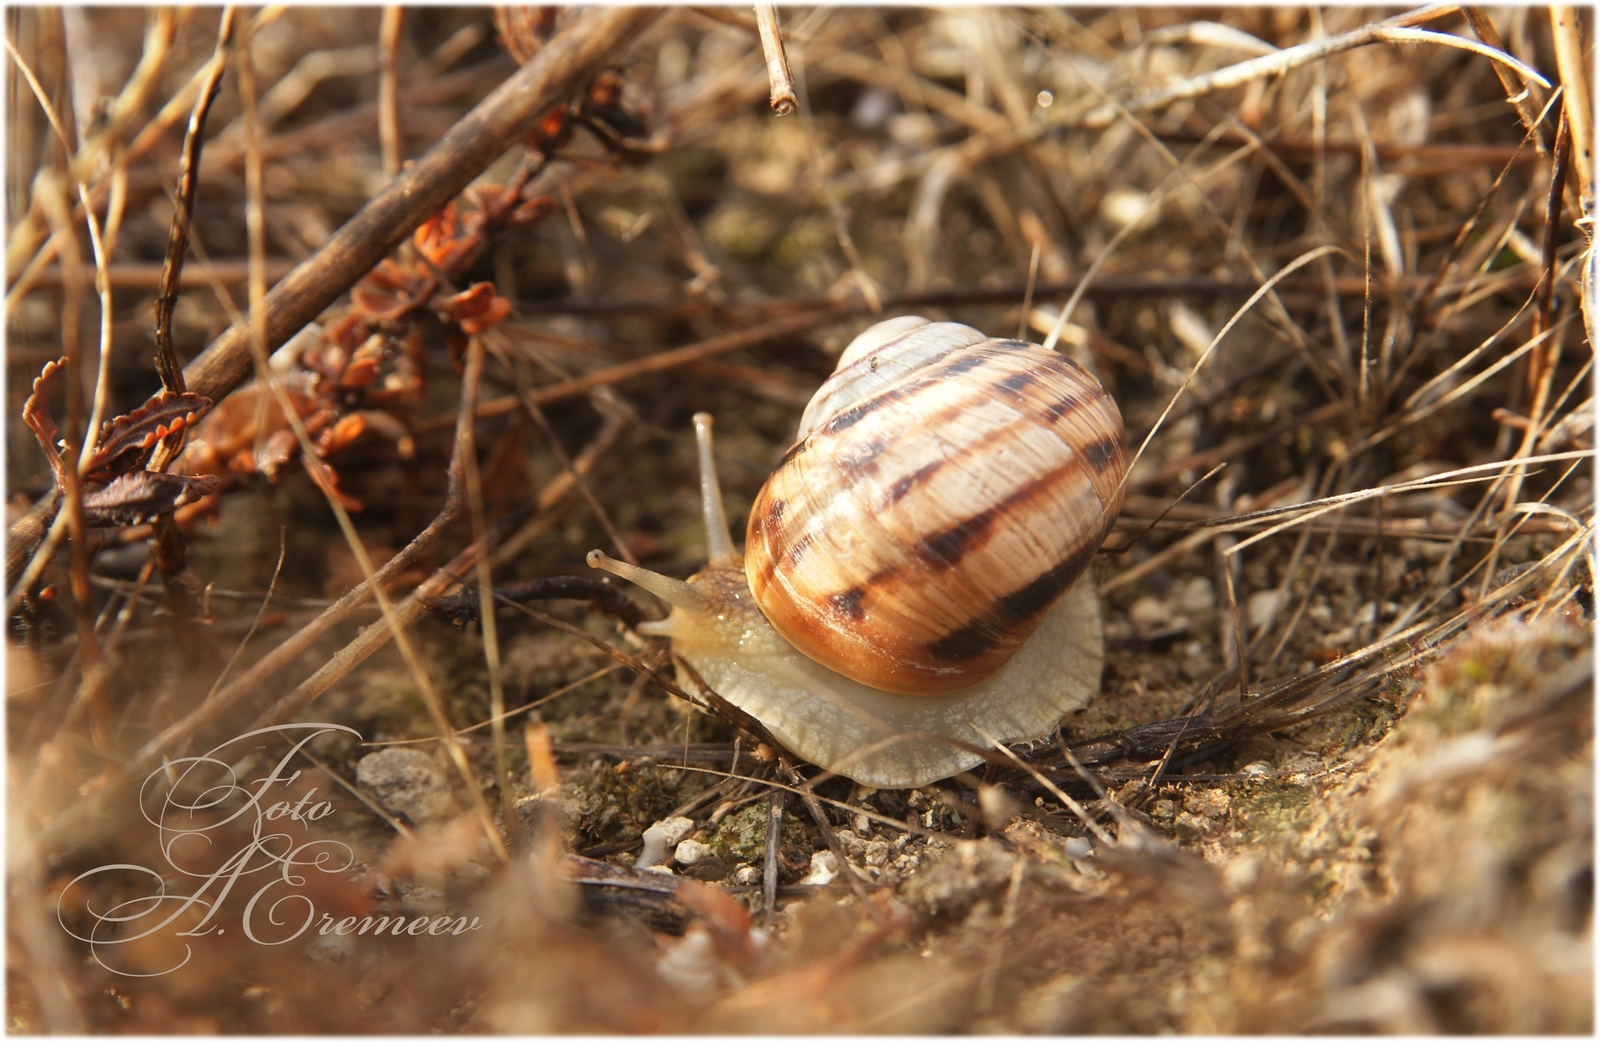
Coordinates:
x,y
742,836
745,229
619,801
1274,808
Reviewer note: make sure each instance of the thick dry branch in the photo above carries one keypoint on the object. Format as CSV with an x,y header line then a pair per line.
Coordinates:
x,y
572,56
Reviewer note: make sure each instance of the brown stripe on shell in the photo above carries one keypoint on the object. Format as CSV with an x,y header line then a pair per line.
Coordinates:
x,y
968,362
794,450
848,604
797,552
949,545
861,459
967,643
1023,606
770,517
843,421
1062,406
905,485
1033,600
767,517
1008,618
901,488
1102,453
1019,382
1023,388
858,457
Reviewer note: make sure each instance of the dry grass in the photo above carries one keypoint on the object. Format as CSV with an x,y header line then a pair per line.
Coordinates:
x,y
1340,775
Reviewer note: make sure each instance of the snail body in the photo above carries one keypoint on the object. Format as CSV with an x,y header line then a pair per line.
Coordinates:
x,y
909,579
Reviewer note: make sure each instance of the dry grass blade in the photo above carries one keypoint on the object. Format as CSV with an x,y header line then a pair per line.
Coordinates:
x,y
167,365
1578,96
1395,30
783,96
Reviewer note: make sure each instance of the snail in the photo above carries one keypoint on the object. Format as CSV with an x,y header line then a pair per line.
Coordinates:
x,y
909,578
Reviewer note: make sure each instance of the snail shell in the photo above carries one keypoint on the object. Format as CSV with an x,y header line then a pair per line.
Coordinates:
x,y
908,581
946,490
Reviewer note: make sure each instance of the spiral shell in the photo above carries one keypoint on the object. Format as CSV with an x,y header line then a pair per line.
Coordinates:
x,y
946,489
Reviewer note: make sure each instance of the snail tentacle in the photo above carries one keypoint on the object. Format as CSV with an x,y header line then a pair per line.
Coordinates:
x,y
719,544
675,592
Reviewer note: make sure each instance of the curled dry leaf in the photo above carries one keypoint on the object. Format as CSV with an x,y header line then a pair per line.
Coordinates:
x,y
142,496
477,308
126,442
131,495
38,419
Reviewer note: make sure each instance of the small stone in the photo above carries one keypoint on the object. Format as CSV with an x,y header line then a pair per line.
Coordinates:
x,y
699,861
1262,607
824,869
968,872
1212,803
1194,596
873,110
1125,207
330,948
997,807
691,852
1192,822
711,870
408,782
1150,616
746,875
660,839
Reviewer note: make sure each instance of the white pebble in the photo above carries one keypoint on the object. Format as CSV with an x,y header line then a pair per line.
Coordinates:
x,y
1194,596
1262,607
691,852
1149,615
824,868
1124,206
660,838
